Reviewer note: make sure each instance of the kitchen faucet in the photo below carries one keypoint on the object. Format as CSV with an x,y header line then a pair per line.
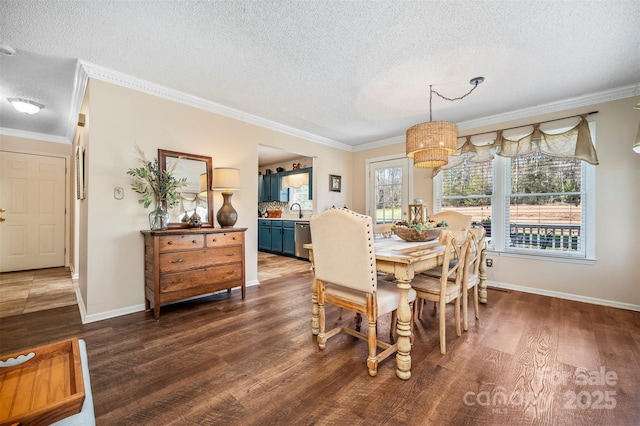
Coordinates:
x,y
300,208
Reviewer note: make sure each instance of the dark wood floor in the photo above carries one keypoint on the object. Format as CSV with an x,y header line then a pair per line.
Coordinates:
x,y
224,361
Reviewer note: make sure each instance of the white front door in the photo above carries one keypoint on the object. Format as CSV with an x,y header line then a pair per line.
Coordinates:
x,y
388,189
32,205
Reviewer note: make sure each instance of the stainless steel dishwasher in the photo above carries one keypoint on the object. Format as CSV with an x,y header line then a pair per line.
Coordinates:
x,y
302,237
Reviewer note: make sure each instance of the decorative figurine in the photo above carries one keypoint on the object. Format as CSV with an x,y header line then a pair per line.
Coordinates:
x,y
195,221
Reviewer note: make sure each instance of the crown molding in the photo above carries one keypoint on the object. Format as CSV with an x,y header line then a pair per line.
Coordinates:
x,y
567,104
124,80
86,70
79,87
33,135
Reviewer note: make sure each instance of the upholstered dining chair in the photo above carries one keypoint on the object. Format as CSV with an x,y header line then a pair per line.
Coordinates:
x,y
471,277
444,288
456,220
345,273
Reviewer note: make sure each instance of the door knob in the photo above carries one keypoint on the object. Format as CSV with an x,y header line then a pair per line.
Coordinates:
x,y
2,219
2,210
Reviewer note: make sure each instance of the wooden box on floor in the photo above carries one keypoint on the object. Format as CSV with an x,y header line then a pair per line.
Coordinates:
x,y
43,389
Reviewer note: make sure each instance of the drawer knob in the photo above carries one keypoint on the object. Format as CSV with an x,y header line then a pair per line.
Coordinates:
x,y
194,241
213,240
170,243
177,261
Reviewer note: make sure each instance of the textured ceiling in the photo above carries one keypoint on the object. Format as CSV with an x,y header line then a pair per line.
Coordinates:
x,y
353,72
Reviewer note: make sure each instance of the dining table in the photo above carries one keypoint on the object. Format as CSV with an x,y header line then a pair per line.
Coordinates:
x,y
404,260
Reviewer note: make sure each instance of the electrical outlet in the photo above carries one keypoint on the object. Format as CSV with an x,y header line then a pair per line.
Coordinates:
x,y
489,263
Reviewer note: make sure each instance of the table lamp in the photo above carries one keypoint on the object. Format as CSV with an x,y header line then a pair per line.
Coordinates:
x,y
226,180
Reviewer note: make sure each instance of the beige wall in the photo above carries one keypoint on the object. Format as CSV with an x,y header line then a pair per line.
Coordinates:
x,y
615,276
119,118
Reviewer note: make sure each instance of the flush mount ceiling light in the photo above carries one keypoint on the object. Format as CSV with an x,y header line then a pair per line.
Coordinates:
x,y
7,50
431,143
25,105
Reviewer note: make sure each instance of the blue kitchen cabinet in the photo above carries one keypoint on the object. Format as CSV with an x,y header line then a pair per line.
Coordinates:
x,y
264,235
276,236
288,237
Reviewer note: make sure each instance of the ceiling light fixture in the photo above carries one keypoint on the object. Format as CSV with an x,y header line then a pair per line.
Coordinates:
x,y
25,105
431,143
7,50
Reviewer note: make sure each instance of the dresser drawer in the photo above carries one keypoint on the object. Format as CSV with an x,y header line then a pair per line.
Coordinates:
x,y
200,277
181,242
184,260
224,239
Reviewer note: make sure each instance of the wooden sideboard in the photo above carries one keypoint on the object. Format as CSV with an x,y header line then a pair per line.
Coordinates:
x,y
182,263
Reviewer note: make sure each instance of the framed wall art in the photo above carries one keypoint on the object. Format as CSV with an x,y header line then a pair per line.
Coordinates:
x,y
335,183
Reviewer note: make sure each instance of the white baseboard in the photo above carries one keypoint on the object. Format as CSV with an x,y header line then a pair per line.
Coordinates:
x,y
567,296
109,314
135,308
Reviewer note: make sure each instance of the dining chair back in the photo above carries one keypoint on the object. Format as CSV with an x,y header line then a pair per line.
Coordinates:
x,y
471,278
345,274
445,288
456,221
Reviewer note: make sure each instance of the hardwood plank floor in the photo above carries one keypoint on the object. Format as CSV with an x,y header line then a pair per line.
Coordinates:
x,y
223,360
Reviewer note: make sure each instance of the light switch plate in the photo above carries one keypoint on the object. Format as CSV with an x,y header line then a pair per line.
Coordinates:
x,y
118,193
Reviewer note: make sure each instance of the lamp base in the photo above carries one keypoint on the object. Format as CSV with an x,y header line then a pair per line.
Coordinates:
x,y
227,215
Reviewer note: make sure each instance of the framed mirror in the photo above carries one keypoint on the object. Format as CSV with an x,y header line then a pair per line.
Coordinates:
x,y
197,195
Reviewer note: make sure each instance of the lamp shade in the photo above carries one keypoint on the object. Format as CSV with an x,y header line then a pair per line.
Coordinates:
x,y
636,145
432,135
435,157
226,179
203,186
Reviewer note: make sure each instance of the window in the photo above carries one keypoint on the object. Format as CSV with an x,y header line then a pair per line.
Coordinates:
x,y
301,196
388,189
468,189
545,204
532,204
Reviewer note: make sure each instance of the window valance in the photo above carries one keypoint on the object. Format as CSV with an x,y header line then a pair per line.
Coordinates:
x,y
573,143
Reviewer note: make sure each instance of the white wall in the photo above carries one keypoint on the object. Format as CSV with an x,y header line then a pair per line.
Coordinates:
x,y
615,276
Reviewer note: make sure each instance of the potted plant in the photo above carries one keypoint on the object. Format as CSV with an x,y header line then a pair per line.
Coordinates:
x,y
158,187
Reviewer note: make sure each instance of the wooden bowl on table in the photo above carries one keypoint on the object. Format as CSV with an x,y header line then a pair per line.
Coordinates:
x,y
413,235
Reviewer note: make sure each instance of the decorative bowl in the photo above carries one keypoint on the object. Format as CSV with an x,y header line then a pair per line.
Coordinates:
x,y
413,235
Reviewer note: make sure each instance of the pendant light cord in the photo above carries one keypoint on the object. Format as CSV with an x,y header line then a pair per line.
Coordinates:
x,y
475,83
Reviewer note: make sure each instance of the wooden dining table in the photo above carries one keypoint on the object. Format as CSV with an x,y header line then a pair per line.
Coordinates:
x,y
403,260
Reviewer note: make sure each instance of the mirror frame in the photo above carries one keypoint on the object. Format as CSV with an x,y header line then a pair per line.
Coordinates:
x,y
162,160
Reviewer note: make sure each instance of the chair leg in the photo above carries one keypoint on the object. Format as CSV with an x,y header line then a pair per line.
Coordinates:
x,y
322,337
457,308
372,359
465,308
394,321
358,321
420,304
443,335
475,302
340,314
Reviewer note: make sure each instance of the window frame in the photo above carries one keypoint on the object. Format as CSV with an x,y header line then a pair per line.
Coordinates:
x,y
500,202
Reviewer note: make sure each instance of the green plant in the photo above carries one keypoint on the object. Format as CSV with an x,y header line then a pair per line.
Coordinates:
x,y
154,184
